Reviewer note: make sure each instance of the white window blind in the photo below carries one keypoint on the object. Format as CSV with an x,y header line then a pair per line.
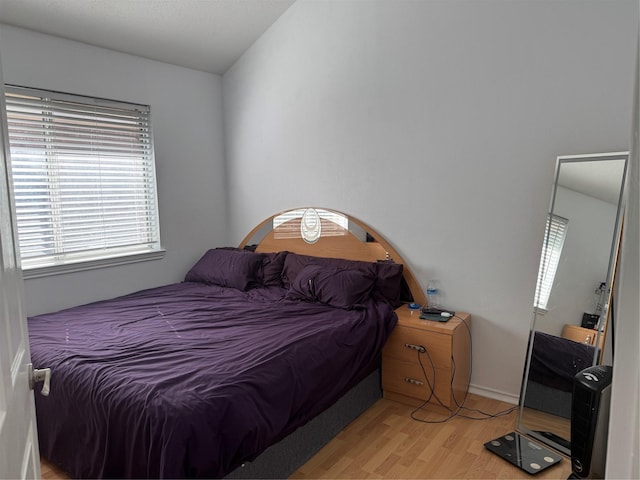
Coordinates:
x,y
554,235
283,227
84,177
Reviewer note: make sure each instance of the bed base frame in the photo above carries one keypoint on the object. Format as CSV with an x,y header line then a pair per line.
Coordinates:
x,y
282,459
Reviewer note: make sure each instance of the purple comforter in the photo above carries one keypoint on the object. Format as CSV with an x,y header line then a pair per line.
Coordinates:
x,y
190,380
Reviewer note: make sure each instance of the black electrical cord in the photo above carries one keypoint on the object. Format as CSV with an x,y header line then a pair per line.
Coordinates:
x,y
486,415
460,406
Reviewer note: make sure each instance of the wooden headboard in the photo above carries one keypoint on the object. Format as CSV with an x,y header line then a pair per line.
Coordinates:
x,y
329,234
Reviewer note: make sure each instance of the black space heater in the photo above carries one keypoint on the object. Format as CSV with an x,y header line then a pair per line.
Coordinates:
x,y
590,421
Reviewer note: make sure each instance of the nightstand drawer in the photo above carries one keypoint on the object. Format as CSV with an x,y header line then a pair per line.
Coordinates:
x,y
408,379
403,340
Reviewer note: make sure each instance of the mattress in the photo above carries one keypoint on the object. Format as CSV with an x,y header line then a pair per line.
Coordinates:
x,y
192,380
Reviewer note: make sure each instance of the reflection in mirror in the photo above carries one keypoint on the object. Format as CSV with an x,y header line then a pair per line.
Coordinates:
x,y
310,224
305,223
571,319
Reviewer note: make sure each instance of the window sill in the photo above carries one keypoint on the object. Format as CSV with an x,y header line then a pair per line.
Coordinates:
x,y
90,264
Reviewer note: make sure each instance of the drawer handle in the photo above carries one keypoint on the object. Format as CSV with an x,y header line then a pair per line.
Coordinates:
x,y
413,381
418,348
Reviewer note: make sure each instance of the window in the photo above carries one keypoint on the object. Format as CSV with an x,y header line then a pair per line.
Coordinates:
x,y
84,181
554,235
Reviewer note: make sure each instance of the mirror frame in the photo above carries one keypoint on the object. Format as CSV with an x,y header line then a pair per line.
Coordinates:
x,y
603,323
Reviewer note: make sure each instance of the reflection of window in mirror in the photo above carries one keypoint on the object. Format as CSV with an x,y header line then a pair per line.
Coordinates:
x,y
554,235
337,225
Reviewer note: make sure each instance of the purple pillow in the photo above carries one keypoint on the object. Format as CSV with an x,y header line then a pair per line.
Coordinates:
x,y
389,281
337,287
388,275
227,268
272,269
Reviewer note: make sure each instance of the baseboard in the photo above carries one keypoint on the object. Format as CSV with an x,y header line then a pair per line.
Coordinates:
x,y
495,394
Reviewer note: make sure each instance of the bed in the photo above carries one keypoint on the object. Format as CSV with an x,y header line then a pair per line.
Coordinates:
x,y
197,379
554,363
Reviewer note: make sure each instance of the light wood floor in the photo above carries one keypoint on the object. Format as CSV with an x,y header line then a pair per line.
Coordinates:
x,y
385,442
550,423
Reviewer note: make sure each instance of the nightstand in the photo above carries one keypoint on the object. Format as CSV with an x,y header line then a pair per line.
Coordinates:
x,y
447,344
582,335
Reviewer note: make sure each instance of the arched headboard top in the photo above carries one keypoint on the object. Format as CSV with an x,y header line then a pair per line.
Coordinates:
x,y
322,232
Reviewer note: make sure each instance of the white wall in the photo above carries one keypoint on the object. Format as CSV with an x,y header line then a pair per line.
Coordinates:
x,y
186,109
438,123
623,452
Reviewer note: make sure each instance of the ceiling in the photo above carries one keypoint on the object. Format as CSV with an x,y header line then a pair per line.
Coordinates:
x,y
207,35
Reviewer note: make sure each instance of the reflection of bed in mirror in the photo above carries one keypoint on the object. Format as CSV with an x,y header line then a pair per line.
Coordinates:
x,y
554,363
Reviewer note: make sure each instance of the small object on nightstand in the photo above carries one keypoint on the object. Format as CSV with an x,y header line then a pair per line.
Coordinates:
x,y
432,310
436,314
589,320
413,306
433,294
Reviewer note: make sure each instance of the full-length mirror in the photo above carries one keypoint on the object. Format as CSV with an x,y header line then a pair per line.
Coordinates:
x,y
571,321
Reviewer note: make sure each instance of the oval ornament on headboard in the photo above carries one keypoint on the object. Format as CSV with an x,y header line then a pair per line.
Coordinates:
x,y
310,226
